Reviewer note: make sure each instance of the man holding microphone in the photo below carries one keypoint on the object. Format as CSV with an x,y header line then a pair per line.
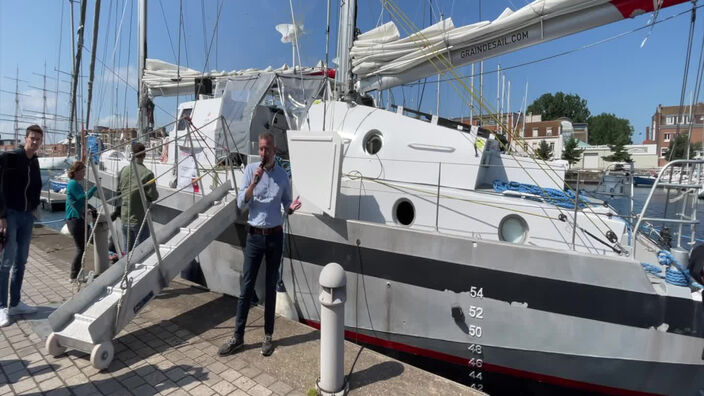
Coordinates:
x,y
266,189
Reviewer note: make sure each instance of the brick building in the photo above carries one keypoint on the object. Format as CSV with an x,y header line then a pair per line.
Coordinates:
x,y
665,123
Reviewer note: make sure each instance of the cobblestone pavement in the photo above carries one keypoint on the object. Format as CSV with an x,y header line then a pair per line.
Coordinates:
x,y
150,357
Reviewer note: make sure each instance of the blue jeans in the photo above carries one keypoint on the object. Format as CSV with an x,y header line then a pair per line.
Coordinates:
x,y
258,247
129,235
14,255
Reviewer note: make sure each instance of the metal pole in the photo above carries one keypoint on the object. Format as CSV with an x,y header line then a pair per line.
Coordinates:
x,y
229,152
437,200
576,210
481,92
333,294
471,99
325,68
195,161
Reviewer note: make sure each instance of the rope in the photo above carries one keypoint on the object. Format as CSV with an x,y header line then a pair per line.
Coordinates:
x,y
675,273
564,199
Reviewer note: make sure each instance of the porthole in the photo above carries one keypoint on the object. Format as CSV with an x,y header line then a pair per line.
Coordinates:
x,y
513,228
404,212
373,142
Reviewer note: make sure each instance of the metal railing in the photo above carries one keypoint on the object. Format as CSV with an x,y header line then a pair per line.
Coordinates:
x,y
690,183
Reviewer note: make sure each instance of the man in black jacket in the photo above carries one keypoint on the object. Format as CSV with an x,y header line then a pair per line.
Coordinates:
x,y
20,186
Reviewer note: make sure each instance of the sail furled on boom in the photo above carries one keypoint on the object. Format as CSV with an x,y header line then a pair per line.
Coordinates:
x,y
381,59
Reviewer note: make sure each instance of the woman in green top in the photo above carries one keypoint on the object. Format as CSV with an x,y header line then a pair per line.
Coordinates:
x,y
75,217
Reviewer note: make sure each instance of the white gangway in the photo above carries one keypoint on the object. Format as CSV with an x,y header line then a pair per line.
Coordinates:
x,y
90,320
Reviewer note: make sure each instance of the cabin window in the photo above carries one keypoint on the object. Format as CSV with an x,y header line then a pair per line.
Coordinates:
x,y
182,124
404,212
373,142
513,228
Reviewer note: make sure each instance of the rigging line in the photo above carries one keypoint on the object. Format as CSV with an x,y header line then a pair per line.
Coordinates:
x,y
58,63
103,83
166,24
210,47
182,28
115,74
513,133
684,79
403,19
695,98
567,52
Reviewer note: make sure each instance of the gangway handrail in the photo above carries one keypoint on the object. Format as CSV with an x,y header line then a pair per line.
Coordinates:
x,y
669,166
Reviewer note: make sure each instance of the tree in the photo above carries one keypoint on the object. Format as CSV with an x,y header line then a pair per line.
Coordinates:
x,y
619,154
677,148
571,153
608,129
544,151
560,105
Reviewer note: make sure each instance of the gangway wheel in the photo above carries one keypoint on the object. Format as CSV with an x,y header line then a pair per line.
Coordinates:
x,y
102,354
53,346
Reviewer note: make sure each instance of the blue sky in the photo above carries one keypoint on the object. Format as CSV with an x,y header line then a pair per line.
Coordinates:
x,y
618,76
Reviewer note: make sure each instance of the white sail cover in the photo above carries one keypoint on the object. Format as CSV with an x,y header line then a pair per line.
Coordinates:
x,y
166,79
381,59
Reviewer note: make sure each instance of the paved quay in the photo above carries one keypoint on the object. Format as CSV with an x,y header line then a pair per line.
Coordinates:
x,y
170,348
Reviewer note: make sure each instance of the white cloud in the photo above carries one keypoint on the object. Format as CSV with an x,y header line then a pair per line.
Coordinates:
x,y
121,74
32,99
117,121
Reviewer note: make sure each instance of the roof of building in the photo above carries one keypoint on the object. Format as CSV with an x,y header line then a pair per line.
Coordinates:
x,y
698,108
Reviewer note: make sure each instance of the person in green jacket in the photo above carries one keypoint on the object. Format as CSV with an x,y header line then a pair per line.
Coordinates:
x,y
75,212
132,211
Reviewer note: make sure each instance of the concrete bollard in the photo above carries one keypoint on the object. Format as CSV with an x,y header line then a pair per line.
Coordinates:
x,y
333,294
101,245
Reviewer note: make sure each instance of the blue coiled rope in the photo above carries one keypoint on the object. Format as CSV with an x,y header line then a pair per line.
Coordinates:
x,y
563,199
675,273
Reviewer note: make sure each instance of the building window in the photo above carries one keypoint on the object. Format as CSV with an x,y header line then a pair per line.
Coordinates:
x,y
552,146
670,120
666,137
549,131
663,150
525,147
535,132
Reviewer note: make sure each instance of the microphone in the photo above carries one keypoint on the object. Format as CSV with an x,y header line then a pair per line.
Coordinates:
x,y
261,166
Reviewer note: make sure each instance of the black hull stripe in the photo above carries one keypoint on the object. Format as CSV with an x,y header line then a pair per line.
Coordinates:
x,y
551,295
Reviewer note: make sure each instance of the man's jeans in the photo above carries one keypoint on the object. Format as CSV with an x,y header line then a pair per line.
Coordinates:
x,y
129,235
258,247
14,255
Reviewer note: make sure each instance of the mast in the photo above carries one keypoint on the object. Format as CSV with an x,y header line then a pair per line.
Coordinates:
x,y
348,17
76,70
141,94
96,19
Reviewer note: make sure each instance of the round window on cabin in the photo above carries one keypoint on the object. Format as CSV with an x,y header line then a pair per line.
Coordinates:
x,y
513,228
373,142
404,212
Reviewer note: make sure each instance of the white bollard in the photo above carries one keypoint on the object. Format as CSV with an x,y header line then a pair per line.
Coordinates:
x,y
333,294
